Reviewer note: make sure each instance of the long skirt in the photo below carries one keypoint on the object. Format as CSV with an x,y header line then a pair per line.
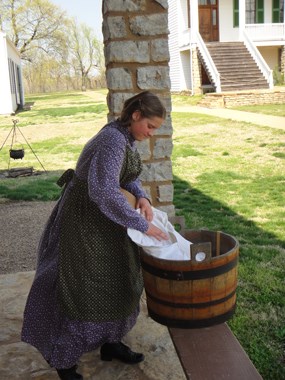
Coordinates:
x,y
59,339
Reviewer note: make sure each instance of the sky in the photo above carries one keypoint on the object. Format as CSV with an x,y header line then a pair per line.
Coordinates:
x,y
87,11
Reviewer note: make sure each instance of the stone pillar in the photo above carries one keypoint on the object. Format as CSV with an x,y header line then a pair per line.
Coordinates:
x,y
136,57
196,71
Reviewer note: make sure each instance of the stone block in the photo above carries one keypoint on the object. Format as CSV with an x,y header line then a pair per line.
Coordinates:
x,y
165,193
116,101
119,79
149,25
157,171
169,209
162,148
127,51
123,5
114,27
153,77
159,50
144,149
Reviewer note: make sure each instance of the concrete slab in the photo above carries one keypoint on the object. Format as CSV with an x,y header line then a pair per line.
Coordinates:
x,y
19,360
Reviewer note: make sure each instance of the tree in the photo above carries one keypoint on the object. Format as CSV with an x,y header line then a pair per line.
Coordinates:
x,y
34,25
57,52
85,51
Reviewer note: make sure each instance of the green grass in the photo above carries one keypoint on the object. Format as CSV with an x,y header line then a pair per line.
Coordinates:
x,y
185,99
43,188
228,176
266,109
53,131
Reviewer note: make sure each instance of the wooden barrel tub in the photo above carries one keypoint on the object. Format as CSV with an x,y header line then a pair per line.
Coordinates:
x,y
192,294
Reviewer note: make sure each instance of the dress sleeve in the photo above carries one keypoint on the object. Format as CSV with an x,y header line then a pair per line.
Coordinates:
x,y
136,189
104,184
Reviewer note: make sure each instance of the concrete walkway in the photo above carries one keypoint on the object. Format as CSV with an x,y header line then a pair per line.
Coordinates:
x,y
226,113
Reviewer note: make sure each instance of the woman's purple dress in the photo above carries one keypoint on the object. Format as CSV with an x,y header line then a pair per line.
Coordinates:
x,y
62,340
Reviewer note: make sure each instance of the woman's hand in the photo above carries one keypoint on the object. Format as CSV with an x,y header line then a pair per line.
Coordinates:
x,y
156,232
146,211
145,207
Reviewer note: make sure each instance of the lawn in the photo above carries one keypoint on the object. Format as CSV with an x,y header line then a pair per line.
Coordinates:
x,y
266,109
228,176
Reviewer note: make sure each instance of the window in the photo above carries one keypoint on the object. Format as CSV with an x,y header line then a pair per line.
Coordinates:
x,y
277,11
254,11
12,76
207,2
250,12
259,11
214,17
236,13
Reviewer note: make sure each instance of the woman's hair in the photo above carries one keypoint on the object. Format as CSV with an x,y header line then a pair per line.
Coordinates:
x,y
148,104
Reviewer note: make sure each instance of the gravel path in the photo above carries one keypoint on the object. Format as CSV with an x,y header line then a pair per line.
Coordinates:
x,y
21,225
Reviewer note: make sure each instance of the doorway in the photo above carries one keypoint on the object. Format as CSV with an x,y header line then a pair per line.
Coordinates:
x,y
209,20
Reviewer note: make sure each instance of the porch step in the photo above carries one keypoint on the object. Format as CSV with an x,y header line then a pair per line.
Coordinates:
x,y
241,87
236,66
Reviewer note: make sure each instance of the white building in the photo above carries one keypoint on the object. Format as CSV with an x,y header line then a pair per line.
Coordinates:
x,y
11,85
211,41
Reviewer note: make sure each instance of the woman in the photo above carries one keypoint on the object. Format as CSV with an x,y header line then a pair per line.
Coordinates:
x,y
88,282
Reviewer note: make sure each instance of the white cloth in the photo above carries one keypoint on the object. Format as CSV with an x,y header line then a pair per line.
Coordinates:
x,y
175,248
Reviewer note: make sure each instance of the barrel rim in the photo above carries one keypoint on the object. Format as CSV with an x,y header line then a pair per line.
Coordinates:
x,y
214,258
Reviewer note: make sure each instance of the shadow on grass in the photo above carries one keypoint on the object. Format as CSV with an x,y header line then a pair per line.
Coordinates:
x,y
203,211
259,319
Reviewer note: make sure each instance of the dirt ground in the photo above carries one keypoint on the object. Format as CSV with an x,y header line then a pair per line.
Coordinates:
x,y
21,226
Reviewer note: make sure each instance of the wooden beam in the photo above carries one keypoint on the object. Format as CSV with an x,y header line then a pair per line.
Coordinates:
x,y
212,353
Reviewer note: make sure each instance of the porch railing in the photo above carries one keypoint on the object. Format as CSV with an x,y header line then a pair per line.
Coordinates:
x,y
211,67
265,69
266,32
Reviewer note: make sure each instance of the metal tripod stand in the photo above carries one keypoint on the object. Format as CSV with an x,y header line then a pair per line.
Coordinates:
x,y
13,131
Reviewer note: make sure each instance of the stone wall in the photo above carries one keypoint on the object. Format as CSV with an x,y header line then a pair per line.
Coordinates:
x,y
136,55
236,99
197,72
282,63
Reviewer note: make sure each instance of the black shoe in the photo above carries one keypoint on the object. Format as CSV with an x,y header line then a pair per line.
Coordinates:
x,y
120,351
69,373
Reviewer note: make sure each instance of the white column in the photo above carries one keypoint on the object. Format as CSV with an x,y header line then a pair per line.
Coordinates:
x,y
6,104
194,17
241,18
